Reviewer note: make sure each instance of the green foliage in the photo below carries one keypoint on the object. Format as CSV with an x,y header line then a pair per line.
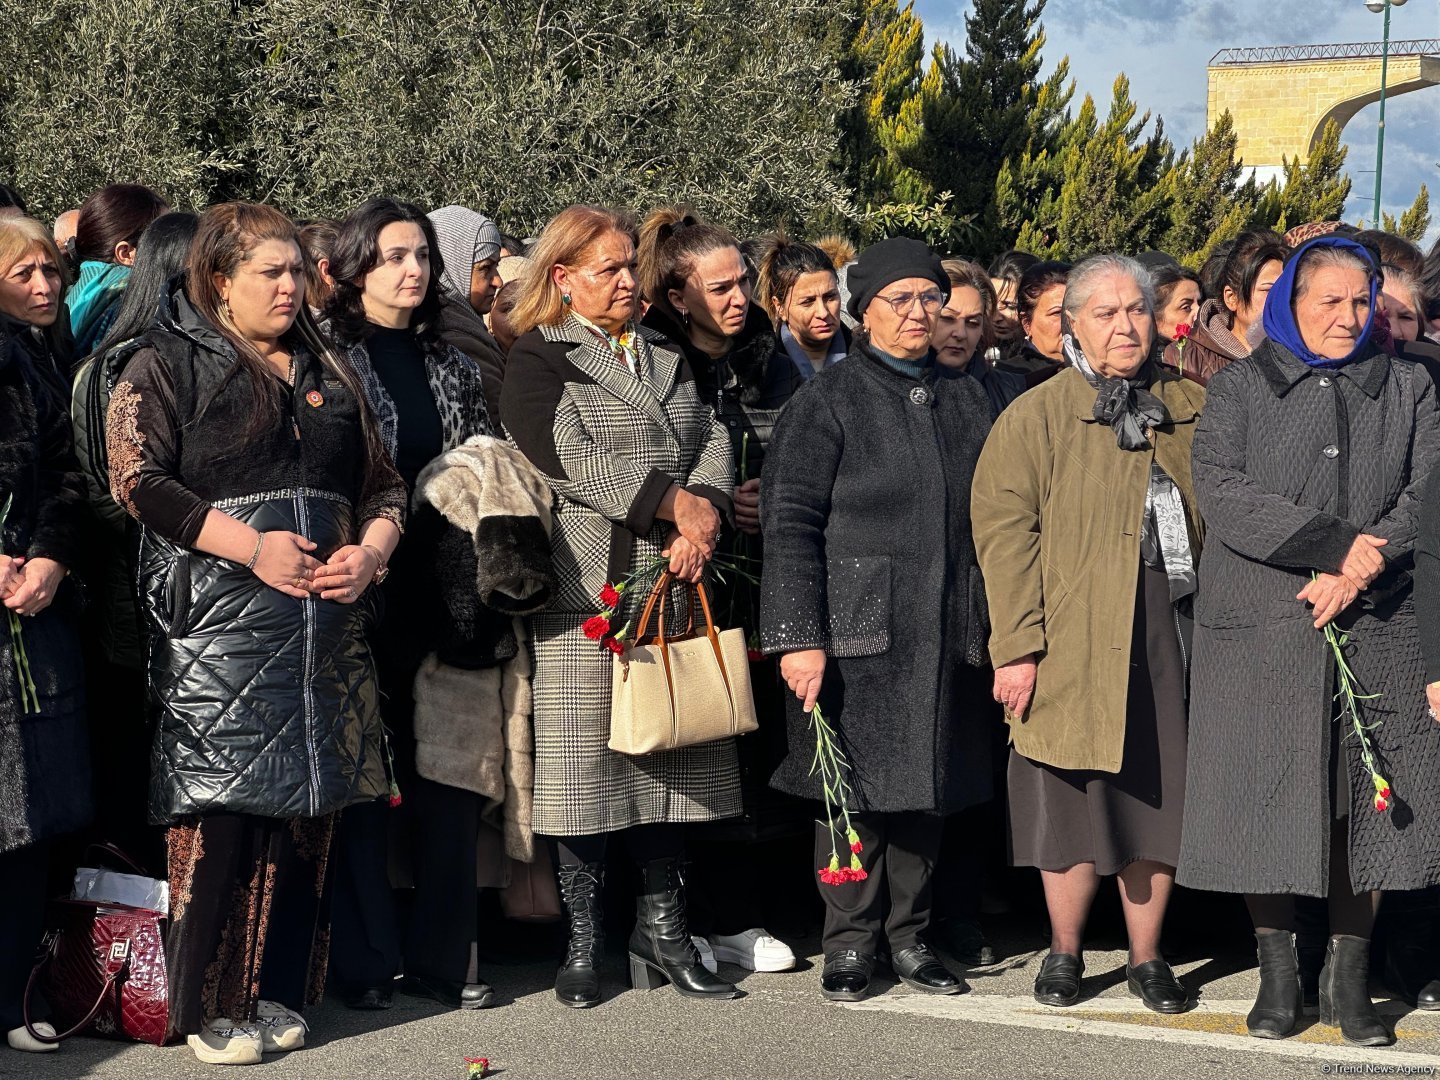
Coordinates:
x,y
514,106
94,91
889,47
1415,222
1208,202
1314,190
826,115
1110,196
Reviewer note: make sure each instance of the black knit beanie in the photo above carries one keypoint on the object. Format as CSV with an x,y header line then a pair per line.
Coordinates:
x,y
888,261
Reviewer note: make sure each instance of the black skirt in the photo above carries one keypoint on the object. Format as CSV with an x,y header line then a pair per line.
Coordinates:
x,y
1062,817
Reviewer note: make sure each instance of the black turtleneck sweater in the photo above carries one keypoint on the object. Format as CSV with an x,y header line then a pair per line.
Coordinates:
x,y
399,361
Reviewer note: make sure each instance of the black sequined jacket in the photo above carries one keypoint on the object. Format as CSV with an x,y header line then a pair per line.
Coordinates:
x,y
865,510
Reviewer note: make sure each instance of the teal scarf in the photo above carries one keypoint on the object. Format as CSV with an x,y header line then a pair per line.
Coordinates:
x,y
93,300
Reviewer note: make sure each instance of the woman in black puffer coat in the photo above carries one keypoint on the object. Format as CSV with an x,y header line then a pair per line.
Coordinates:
x,y
268,506
44,752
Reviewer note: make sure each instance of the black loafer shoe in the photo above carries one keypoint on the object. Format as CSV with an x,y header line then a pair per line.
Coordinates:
x,y
369,998
452,995
1428,996
847,975
1157,988
1058,983
920,969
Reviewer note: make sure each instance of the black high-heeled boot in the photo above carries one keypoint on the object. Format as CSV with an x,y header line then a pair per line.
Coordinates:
x,y
1279,1003
1345,993
660,945
577,983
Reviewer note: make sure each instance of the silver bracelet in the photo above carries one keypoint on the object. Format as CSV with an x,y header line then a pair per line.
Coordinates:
x,y
255,557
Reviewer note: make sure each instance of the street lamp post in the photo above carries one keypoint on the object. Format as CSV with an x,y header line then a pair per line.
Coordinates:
x,y
1379,6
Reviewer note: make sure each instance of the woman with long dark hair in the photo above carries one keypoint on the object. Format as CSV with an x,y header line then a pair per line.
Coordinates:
x,y
114,625
106,238
1037,354
1228,325
700,292
427,397
245,449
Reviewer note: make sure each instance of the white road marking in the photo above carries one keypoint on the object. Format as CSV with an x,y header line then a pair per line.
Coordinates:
x,y
1018,1012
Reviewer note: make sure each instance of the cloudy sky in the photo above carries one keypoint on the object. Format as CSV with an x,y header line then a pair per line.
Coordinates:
x,y
1165,45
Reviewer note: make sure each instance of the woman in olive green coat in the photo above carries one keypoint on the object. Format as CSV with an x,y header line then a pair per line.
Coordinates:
x,y
1087,535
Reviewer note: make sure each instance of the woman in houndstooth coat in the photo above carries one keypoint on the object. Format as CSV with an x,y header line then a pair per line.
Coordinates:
x,y
608,411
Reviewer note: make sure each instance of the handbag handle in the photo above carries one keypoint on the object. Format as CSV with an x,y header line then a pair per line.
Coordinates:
x,y
119,856
113,977
659,594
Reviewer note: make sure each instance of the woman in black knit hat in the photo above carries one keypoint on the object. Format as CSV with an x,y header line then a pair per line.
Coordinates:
x,y
870,594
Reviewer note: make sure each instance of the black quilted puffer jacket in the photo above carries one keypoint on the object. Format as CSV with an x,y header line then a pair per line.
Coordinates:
x,y
267,703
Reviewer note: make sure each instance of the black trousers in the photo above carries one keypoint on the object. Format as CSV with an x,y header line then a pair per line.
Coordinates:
x,y
364,921
441,939
439,936
25,873
892,905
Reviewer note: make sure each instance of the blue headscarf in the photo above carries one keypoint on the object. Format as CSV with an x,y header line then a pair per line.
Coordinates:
x,y
1279,319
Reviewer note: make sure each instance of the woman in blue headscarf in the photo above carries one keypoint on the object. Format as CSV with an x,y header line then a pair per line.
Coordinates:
x,y
1309,465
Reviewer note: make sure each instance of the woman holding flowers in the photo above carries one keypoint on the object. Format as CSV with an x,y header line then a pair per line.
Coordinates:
x,y
871,595
611,417
1314,767
1086,528
44,755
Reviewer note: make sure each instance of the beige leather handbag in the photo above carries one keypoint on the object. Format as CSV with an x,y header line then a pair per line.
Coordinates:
x,y
692,688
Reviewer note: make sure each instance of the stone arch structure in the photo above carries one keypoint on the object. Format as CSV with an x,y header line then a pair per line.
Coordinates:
x,y
1281,98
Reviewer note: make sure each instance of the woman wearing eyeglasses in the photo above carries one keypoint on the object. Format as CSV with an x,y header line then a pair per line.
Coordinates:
x,y
872,597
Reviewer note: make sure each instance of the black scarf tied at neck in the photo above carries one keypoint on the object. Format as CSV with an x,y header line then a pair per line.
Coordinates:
x,y
1124,404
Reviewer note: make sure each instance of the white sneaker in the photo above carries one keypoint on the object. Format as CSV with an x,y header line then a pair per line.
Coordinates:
x,y
753,950
224,1042
707,954
21,1039
280,1029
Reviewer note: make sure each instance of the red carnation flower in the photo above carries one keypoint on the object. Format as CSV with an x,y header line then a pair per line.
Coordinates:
x,y
1182,330
858,875
1381,804
609,596
615,645
596,627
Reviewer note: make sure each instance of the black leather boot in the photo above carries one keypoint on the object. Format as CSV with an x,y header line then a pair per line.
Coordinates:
x,y
1280,1001
577,983
1412,956
1345,993
660,947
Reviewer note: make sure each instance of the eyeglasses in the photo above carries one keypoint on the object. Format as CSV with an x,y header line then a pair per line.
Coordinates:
x,y
930,302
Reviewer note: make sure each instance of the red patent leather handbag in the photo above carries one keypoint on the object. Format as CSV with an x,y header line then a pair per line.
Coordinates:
x,y
102,970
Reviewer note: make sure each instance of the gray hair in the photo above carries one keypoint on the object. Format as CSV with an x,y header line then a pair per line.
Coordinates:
x,y
1327,255
1088,274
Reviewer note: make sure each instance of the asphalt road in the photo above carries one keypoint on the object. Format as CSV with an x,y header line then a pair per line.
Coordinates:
x,y
783,1029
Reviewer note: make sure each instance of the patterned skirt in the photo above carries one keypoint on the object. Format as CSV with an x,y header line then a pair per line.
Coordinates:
x,y
248,918
582,787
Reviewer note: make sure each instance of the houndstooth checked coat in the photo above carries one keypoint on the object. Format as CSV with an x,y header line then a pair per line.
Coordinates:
x,y
610,443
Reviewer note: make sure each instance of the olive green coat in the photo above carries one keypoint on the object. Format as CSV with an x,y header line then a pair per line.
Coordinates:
x,y
1057,509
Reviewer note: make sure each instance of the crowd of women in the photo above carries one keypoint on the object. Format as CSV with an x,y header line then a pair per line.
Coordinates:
x,y
304,523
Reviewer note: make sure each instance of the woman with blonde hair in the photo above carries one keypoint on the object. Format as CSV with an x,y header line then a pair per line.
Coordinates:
x,y
244,448
43,743
611,415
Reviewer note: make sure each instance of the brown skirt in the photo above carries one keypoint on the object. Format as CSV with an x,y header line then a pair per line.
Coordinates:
x,y
1062,817
248,919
